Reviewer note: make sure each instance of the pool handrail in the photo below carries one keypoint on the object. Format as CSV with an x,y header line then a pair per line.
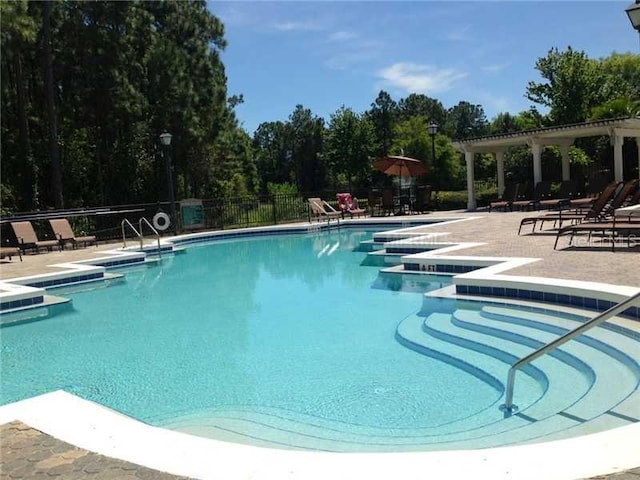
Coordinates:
x,y
508,406
141,224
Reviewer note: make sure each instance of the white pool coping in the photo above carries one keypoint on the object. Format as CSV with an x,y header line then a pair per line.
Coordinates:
x,y
96,428
101,430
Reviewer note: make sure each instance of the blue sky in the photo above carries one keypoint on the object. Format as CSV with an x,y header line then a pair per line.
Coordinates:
x,y
327,54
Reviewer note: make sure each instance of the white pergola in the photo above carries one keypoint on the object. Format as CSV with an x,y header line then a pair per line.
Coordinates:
x,y
563,136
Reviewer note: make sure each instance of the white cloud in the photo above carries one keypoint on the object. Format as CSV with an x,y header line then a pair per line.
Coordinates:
x,y
459,34
343,36
416,78
495,68
296,26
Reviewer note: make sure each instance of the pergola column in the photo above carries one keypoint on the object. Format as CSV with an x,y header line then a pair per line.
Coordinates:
x,y
617,141
500,167
564,150
536,150
471,190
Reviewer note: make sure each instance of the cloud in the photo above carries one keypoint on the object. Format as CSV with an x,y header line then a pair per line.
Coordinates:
x,y
416,78
495,68
459,34
343,36
296,26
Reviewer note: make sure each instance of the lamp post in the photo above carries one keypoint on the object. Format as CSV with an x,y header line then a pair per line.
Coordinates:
x,y
633,12
165,139
433,130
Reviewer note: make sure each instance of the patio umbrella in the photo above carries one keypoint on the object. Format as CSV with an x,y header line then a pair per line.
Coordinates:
x,y
400,166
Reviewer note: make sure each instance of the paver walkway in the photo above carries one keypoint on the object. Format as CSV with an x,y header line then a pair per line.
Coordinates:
x,y
30,454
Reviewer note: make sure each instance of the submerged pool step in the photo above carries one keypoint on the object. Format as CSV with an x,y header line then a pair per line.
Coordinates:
x,y
591,356
550,371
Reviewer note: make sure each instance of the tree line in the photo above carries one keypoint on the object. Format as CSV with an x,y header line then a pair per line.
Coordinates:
x,y
88,87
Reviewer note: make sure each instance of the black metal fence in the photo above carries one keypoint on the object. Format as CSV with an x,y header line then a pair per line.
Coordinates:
x,y
218,213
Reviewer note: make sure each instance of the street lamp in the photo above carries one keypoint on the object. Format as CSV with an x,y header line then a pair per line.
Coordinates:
x,y
433,129
633,12
165,139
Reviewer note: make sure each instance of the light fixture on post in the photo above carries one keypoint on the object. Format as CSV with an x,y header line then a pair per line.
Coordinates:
x,y
633,12
165,140
433,130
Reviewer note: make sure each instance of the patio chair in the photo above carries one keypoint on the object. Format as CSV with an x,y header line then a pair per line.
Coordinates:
x,y
568,190
542,191
509,196
628,226
64,233
28,240
620,198
321,210
388,204
349,205
595,186
423,199
10,252
597,210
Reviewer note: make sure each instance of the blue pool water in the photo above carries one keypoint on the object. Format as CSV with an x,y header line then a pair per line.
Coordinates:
x,y
291,327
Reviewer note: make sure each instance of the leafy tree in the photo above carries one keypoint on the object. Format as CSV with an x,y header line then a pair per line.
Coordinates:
x,y
348,147
420,105
572,87
273,154
505,123
383,115
466,120
307,133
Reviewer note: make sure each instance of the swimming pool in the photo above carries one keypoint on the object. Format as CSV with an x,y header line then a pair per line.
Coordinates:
x,y
288,341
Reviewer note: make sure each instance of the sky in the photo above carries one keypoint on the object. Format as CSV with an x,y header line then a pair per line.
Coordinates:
x,y
325,55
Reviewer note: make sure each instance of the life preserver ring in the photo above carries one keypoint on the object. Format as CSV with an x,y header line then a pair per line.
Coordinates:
x,y
161,221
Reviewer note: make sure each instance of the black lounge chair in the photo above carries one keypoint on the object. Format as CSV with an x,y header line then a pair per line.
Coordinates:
x,y
509,196
628,226
542,191
627,190
596,211
423,199
568,190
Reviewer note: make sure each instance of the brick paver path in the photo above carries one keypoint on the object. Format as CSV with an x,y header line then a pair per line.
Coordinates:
x,y
27,453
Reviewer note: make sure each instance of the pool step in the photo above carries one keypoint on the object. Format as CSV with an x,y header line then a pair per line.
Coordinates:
x,y
575,380
602,361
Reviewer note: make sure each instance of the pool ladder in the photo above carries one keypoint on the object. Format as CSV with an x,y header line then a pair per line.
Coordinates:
x,y
508,407
143,221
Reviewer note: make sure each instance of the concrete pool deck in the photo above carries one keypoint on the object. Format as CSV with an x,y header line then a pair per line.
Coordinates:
x,y
497,232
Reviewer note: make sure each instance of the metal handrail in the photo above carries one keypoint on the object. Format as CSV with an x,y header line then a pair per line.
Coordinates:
x,y
141,223
124,237
594,322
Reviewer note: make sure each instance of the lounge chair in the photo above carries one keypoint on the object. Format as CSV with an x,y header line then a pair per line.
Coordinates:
x,y
10,252
509,196
349,205
542,191
609,224
321,210
568,190
628,226
596,211
595,187
28,240
64,234
422,203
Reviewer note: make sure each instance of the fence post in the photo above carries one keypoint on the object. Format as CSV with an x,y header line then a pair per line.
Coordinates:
x,y
272,199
